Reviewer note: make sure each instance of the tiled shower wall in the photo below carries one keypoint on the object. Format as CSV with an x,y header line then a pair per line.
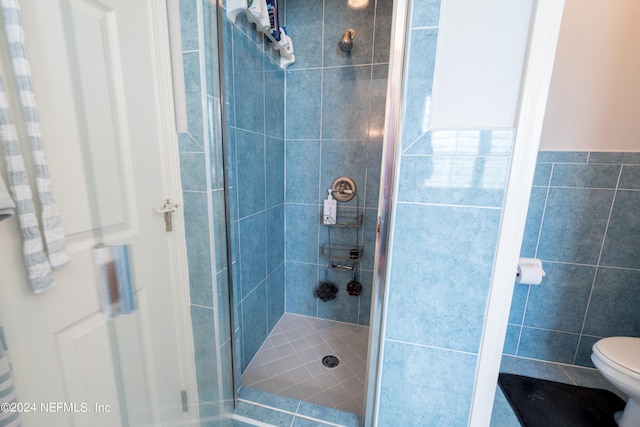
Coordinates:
x,y
448,210
254,92
583,223
203,203
334,126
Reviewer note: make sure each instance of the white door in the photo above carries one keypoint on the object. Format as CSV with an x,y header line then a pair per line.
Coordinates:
x,y
93,69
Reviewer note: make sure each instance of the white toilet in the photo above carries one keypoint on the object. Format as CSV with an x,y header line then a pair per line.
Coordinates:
x,y
618,360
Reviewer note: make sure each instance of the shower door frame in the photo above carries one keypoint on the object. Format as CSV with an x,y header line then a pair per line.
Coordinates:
x,y
393,119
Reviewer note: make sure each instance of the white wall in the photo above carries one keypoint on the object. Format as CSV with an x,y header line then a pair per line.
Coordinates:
x,y
479,63
594,100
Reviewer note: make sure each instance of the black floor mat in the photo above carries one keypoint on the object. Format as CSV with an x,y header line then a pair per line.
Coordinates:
x,y
542,403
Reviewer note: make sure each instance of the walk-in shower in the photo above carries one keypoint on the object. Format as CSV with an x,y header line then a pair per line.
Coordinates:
x,y
302,277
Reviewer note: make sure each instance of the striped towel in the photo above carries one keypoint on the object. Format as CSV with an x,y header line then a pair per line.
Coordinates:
x,y
6,203
7,392
38,263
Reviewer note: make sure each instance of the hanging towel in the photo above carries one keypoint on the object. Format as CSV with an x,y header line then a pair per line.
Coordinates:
x,y
6,203
35,259
52,229
7,393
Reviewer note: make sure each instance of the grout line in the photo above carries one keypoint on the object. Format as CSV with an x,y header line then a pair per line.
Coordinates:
x,y
535,255
581,188
524,312
412,143
318,237
613,201
547,362
426,27
544,211
193,139
373,35
505,362
334,139
431,346
254,132
595,275
295,415
449,205
567,374
548,329
250,421
328,67
458,155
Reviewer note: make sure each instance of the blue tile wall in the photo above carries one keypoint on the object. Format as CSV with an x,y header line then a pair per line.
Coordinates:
x,y
205,354
253,252
383,23
301,235
562,238
307,42
198,248
440,254
274,172
255,127
583,223
251,173
345,102
447,221
303,171
448,209
338,16
334,126
424,386
621,246
275,295
344,157
254,313
547,308
417,92
459,167
304,93
301,280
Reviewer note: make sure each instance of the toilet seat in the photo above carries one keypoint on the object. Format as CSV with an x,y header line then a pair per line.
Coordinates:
x,y
621,354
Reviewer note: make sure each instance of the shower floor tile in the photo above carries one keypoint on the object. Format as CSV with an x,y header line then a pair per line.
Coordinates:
x,y
289,362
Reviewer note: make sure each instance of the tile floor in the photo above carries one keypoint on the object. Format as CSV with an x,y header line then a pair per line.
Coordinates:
x,y
289,363
503,415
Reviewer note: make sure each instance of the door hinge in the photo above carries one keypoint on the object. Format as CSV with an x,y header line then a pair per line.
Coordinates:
x,y
185,404
167,210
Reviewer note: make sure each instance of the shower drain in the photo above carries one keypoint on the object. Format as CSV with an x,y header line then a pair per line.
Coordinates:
x,y
330,361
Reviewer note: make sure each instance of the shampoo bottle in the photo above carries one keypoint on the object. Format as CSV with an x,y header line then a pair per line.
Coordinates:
x,y
330,209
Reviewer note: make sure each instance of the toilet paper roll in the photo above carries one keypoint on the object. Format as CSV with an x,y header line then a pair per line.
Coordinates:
x,y
530,271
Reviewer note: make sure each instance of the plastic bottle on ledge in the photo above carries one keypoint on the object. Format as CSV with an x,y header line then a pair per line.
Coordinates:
x,y
330,209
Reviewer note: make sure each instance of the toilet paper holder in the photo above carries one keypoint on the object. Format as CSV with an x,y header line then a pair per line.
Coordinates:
x,y
529,271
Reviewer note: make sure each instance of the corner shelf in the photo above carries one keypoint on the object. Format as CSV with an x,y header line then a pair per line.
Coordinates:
x,y
346,255
258,13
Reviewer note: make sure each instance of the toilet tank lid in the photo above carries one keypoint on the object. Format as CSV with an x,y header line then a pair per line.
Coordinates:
x,y
624,351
